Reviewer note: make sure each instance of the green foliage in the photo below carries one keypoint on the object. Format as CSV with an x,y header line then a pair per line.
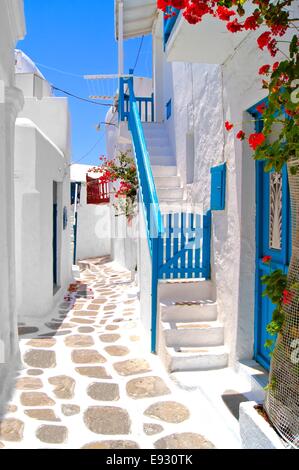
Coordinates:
x,y
276,283
271,385
122,172
282,112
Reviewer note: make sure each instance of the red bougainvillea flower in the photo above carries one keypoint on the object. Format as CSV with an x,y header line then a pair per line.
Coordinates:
x,y
264,39
224,13
275,66
234,26
278,29
261,108
257,139
228,126
162,4
179,4
251,22
267,259
241,135
287,297
272,47
195,11
264,69
290,112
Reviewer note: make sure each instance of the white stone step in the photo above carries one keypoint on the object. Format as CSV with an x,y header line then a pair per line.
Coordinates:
x,y
170,194
173,206
168,181
197,359
195,334
159,140
194,311
186,290
154,128
163,160
165,171
160,151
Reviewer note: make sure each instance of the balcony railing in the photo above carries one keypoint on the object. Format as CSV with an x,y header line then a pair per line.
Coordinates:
x,y
170,19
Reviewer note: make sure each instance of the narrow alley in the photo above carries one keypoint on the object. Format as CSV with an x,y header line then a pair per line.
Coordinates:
x,y
88,382
149,294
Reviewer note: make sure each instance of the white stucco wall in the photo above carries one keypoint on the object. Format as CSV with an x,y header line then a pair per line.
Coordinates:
x,y
203,98
12,28
94,221
145,278
38,163
123,234
42,157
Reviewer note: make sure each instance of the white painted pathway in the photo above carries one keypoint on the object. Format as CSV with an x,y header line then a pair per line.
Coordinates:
x,y
88,380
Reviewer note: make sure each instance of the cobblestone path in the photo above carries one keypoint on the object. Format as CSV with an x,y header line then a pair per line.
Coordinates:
x,y
89,381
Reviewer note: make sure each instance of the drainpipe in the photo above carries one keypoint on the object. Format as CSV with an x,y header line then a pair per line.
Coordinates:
x,y
121,38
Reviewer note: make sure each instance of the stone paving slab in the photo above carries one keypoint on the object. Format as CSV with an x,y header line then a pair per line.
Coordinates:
x,y
77,391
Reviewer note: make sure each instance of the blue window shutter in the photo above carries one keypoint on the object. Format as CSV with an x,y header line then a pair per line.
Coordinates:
x,y
218,187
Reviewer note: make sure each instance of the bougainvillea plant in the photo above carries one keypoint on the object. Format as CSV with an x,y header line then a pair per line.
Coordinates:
x,y
121,172
276,290
281,79
280,111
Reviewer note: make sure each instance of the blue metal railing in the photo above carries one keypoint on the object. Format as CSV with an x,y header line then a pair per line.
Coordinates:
x,y
145,107
170,19
147,188
180,247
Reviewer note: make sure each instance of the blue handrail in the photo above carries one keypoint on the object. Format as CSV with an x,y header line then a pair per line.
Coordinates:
x,y
163,266
147,187
144,169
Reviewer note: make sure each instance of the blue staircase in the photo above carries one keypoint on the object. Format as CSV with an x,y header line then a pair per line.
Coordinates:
x,y
179,243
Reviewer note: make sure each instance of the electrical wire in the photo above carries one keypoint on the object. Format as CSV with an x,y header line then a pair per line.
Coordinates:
x,y
89,152
95,145
58,70
80,97
138,54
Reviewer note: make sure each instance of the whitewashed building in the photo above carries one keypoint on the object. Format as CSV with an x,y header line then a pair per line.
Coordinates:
x,y
12,28
42,197
93,233
203,76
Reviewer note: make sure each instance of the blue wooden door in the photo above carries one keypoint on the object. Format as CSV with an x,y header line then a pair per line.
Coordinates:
x,y
273,238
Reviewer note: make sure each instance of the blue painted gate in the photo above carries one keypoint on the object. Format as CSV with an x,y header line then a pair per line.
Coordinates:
x,y
184,246
273,238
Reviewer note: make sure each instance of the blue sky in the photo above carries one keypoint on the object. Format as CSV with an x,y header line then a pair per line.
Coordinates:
x,y
77,38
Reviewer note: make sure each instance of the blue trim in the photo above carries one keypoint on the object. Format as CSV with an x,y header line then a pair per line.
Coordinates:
x,y
206,249
170,22
146,104
65,218
280,258
75,228
218,187
55,223
73,192
148,191
168,109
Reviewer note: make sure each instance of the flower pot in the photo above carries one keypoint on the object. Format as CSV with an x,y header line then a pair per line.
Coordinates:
x,y
255,431
282,399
